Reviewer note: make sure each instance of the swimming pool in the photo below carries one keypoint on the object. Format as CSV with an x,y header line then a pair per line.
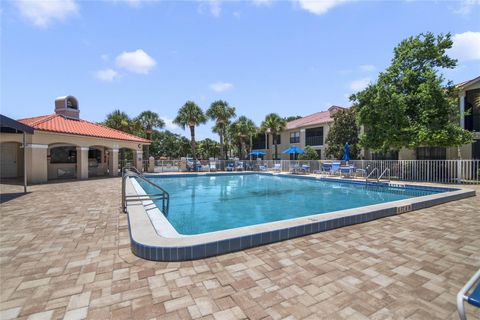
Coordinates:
x,y
227,201
212,214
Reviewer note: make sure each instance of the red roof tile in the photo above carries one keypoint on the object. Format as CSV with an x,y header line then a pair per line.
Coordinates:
x,y
468,82
58,123
316,118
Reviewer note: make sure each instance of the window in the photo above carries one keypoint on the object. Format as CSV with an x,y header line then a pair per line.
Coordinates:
x,y
314,136
389,155
63,155
431,153
295,137
258,142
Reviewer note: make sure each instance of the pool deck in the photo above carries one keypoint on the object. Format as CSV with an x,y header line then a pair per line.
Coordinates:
x,y
65,254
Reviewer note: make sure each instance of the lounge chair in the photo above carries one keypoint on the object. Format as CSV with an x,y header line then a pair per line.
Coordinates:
x,y
473,298
213,166
262,168
277,167
346,171
230,166
239,166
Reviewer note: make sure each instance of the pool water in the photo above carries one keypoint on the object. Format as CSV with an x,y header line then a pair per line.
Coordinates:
x,y
200,204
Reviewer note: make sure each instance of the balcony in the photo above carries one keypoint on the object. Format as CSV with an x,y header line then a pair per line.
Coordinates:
x,y
314,141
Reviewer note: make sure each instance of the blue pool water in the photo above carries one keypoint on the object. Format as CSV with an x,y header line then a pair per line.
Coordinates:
x,y
200,204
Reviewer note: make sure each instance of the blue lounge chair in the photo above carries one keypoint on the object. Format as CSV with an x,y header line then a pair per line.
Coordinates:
x,y
331,167
239,166
230,166
473,298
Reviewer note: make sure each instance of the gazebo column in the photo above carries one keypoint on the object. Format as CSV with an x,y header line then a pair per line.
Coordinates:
x,y
82,162
113,162
36,162
138,160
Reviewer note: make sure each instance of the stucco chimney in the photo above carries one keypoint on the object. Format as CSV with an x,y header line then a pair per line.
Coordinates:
x,y
68,107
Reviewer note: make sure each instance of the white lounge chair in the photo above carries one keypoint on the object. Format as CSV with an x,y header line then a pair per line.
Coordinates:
x,y
277,167
213,166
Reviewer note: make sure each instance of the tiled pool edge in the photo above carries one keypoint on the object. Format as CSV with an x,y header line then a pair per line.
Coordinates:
x,y
214,248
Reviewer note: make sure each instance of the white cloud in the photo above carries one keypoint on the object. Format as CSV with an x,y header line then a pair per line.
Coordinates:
x,y
106,75
169,125
135,61
221,86
319,7
359,84
466,46
466,6
41,13
259,3
213,6
367,67
131,3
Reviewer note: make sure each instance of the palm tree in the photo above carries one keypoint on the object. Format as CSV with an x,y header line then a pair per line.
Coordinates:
x,y
221,112
190,115
148,121
208,148
274,124
242,130
118,120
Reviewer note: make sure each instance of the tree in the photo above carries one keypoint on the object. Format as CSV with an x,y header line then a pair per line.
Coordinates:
x,y
241,132
148,121
221,112
118,120
190,115
308,154
208,148
410,105
273,125
343,130
291,118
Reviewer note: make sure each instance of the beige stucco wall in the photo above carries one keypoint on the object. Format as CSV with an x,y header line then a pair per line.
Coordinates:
x,y
285,141
39,170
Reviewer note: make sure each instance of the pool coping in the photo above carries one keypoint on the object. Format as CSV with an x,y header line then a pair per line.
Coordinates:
x,y
164,243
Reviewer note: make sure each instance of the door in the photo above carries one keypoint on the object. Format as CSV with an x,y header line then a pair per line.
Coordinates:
x,y
8,160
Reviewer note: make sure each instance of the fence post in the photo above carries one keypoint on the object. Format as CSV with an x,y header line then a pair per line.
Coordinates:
x,y
151,164
459,171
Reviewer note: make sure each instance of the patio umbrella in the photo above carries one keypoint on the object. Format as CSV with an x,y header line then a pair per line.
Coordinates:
x,y
346,152
257,153
293,150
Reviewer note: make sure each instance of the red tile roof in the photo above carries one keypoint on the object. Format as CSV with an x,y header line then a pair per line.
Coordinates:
x,y
316,118
466,83
58,123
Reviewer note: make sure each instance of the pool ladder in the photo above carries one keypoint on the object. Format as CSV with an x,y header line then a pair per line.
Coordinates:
x,y
162,194
383,174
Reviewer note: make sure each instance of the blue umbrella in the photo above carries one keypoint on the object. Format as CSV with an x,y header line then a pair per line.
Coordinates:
x,y
257,153
346,152
293,150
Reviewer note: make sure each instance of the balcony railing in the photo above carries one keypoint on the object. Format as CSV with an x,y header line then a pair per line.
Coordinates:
x,y
314,141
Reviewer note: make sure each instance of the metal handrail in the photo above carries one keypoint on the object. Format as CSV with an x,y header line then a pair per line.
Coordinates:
x,y
383,173
163,195
368,176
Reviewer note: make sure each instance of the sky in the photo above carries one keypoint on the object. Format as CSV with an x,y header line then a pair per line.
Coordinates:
x,y
292,57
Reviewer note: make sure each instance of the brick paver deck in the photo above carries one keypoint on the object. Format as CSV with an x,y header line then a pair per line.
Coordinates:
x,y
65,254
